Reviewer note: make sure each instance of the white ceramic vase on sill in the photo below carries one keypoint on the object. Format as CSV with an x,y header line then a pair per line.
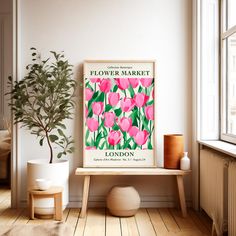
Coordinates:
x,y
57,173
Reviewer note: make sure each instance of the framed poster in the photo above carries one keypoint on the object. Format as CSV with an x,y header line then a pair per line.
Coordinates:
x,y
119,114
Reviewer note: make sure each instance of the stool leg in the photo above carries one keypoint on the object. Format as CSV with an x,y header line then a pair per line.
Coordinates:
x,y
31,205
58,206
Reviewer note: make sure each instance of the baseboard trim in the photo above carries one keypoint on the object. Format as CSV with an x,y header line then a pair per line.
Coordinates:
x,y
146,202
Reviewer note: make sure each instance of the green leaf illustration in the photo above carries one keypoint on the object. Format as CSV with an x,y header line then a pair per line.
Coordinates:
x,y
150,102
134,146
89,86
118,112
92,142
140,89
87,134
100,98
87,83
134,114
135,122
131,91
104,130
149,145
115,88
108,108
127,143
115,127
94,97
90,112
98,138
102,145
87,144
145,123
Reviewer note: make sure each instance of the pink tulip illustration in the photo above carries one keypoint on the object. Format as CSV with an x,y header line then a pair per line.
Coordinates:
x,y
133,131
113,98
146,82
90,148
149,112
95,80
109,119
105,85
141,137
97,108
88,94
92,124
122,83
140,99
114,137
134,82
127,104
125,124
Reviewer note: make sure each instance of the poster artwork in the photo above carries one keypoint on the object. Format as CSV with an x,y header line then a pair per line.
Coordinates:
x,y
119,114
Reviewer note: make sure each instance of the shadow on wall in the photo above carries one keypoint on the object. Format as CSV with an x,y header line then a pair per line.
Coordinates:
x,y
77,158
78,130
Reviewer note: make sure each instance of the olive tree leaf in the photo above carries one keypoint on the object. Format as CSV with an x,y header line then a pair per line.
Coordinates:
x,y
53,138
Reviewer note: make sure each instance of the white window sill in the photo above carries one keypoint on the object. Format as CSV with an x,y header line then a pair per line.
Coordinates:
x,y
224,147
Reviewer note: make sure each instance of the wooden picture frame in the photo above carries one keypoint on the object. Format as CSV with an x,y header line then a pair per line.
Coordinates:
x,y
119,113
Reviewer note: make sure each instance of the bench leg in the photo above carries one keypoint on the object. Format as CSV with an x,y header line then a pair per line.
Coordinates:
x,y
180,184
85,196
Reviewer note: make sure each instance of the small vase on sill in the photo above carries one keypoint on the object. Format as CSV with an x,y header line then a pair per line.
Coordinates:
x,y
185,162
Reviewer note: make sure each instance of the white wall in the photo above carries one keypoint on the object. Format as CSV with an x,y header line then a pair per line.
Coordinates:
x,y
89,29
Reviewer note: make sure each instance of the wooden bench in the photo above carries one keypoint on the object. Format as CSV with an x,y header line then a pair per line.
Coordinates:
x,y
88,172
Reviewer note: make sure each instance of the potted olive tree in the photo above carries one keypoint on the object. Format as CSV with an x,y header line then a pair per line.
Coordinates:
x,y
40,102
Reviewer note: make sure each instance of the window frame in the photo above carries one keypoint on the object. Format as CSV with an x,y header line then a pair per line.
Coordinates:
x,y
224,34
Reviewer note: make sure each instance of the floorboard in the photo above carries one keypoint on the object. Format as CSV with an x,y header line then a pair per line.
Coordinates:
x,y
95,224
112,225
157,222
129,226
169,220
144,224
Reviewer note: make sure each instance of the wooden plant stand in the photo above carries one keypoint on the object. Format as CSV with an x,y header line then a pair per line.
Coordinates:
x,y
88,172
53,192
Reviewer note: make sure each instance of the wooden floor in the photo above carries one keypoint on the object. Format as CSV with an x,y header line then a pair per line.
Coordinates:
x,y
147,222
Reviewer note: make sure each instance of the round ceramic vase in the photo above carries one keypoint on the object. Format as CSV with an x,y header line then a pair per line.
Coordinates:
x,y
123,201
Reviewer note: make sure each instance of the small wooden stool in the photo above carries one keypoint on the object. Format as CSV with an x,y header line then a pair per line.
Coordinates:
x,y
53,192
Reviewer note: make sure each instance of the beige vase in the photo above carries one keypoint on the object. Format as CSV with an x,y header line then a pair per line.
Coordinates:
x,y
123,201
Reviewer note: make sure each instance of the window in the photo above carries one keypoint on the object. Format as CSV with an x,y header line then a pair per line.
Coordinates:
x,y
228,71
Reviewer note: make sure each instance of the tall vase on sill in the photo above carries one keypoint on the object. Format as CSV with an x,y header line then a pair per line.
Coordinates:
x,y
173,150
